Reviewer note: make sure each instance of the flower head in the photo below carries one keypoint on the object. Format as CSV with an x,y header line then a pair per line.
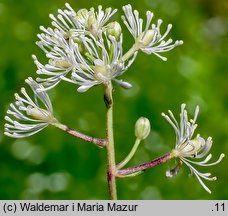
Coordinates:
x,y
85,48
79,55
26,116
189,148
149,40
71,23
99,66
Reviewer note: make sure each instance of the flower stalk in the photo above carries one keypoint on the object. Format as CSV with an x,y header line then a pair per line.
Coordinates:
x,y
144,166
99,142
129,53
130,155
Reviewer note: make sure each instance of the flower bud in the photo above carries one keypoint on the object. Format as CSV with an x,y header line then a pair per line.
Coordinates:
x,y
114,29
142,128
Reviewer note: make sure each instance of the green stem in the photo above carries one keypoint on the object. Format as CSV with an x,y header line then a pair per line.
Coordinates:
x,y
111,169
130,155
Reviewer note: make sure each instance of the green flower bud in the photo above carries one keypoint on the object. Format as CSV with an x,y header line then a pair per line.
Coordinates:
x,y
114,29
142,128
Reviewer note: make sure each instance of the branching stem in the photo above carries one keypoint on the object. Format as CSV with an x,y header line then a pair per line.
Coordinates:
x,y
97,141
145,166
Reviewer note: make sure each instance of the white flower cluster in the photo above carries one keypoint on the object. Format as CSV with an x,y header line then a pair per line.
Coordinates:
x,y
29,116
188,149
149,40
85,48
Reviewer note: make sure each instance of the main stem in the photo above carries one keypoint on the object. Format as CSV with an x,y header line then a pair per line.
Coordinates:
x,y
111,169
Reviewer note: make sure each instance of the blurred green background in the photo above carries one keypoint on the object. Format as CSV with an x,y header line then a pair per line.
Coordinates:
x,y
54,165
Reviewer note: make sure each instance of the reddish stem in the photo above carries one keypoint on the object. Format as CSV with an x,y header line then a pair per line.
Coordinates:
x,y
97,141
144,166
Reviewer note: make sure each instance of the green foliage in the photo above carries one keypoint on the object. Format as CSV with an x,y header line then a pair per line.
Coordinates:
x,y
53,165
